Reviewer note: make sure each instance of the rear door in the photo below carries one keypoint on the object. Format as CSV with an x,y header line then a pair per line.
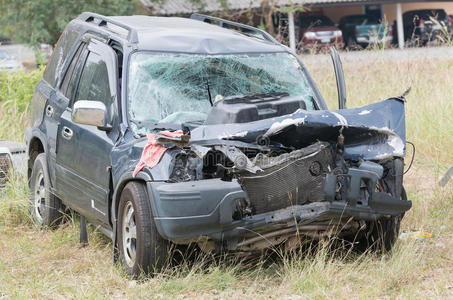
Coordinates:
x,y
83,151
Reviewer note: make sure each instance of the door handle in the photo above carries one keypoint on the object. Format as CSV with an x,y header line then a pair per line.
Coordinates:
x,y
66,133
49,111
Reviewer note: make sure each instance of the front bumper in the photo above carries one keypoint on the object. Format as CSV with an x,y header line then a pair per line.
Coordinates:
x,y
321,45
369,40
186,211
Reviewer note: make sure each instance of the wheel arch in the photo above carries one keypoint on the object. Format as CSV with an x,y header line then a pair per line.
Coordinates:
x,y
35,147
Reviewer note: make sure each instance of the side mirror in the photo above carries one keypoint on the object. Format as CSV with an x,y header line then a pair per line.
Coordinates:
x,y
90,113
341,86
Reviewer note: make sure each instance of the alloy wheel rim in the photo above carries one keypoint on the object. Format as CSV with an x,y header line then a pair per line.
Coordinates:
x,y
40,198
129,231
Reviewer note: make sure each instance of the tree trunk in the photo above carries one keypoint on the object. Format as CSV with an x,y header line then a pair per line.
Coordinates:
x,y
268,7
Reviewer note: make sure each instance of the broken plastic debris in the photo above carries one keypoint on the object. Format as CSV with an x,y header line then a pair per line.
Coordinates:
x,y
440,245
447,177
416,235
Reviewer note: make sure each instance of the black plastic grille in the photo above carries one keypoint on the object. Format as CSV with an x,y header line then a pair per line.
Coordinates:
x,y
5,164
293,178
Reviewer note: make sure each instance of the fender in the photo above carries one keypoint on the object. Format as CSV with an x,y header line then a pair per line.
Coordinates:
x,y
35,133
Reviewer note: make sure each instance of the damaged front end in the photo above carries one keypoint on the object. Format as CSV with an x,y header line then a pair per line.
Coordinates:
x,y
262,183
265,163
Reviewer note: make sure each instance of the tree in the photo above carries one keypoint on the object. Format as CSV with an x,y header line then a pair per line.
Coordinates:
x,y
42,21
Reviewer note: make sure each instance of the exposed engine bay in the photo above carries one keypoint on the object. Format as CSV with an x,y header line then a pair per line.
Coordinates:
x,y
291,166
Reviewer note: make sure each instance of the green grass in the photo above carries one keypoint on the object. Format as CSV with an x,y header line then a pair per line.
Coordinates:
x,y
16,91
50,264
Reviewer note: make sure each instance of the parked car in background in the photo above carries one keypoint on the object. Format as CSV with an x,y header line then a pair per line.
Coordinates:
x,y
12,157
5,40
450,24
424,26
318,31
43,53
9,63
364,30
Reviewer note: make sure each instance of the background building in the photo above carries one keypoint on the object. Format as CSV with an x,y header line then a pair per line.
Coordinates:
x,y
392,11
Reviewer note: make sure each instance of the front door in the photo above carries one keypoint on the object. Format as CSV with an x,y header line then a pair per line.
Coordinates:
x,y
83,151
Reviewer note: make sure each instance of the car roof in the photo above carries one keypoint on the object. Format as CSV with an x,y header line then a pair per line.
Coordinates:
x,y
175,34
425,11
357,16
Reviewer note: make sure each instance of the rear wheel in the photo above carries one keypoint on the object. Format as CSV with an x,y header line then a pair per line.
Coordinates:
x,y
46,208
141,247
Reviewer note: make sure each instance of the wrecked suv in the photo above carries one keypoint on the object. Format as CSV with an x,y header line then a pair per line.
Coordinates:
x,y
164,131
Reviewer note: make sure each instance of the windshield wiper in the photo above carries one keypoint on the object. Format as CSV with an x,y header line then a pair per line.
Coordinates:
x,y
157,126
258,97
209,92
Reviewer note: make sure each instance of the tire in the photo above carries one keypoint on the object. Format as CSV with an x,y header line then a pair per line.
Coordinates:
x,y
351,44
46,208
382,234
145,251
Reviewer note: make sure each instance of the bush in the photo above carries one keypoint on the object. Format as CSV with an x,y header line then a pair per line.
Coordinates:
x,y
16,91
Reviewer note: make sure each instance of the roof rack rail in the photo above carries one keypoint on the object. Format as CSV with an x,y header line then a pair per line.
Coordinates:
x,y
222,23
132,36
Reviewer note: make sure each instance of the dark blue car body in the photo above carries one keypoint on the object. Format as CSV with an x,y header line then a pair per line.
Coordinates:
x,y
89,166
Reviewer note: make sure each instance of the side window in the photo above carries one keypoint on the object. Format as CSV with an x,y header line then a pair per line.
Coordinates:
x,y
68,82
94,81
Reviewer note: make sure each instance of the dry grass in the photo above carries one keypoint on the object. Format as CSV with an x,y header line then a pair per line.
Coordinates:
x,y
46,264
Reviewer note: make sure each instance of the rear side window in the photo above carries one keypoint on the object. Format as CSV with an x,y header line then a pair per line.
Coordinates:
x,y
362,20
438,14
315,21
59,55
426,15
94,81
66,86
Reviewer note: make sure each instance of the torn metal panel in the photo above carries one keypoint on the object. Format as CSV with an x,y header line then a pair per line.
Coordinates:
x,y
239,159
374,132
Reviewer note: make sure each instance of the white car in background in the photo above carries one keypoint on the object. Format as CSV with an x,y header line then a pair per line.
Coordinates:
x,y
12,157
9,63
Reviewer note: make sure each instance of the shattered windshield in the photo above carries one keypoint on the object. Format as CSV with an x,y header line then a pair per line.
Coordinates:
x,y
174,88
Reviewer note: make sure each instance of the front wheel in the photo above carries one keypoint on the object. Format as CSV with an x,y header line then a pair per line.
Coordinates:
x,y
383,233
141,247
351,43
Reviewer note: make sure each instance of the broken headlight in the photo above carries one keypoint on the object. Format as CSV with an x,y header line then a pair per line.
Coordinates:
x,y
186,166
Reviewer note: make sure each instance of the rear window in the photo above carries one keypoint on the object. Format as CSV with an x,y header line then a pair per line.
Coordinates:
x,y
59,55
315,21
362,20
438,14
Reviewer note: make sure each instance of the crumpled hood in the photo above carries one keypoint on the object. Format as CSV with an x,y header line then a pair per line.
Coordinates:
x,y
373,132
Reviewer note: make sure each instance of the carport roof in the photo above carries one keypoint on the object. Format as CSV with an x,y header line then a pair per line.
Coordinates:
x,y
174,7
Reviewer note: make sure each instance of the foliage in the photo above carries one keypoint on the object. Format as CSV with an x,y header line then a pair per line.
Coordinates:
x,y
42,21
16,91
